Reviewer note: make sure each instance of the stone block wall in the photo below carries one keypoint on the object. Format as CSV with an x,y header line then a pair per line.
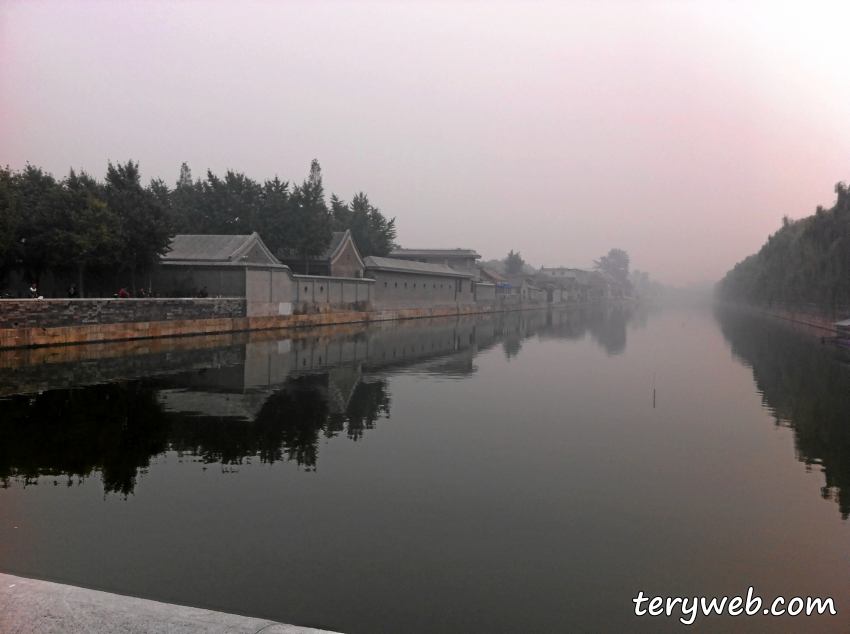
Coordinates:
x,y
58,313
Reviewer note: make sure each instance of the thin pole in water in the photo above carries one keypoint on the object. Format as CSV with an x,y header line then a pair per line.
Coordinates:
x,y
653,389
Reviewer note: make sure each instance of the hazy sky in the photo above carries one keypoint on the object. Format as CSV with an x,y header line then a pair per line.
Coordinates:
x,y
679,131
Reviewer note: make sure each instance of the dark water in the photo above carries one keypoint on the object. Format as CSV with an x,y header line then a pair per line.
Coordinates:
x,y
504,474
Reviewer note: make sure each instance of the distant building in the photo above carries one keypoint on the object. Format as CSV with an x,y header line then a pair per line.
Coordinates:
x,y
457,259
401,283
340,259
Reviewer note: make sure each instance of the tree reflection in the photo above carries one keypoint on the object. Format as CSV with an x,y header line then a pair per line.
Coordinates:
x,y
117,429
805,386
607,325
112,429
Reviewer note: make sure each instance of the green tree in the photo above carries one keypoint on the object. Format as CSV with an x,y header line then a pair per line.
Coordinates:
x,y
373,233
616,264
10,224
33,190
145,227
311,219
86,234
188,212
514,263
275,215
233,203
806,261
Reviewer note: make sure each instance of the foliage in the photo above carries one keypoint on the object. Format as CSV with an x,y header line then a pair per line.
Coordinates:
x,y
372,232
80,226
10,223
805,262
85,234
616,264
145,228
514,263
34,188
310,229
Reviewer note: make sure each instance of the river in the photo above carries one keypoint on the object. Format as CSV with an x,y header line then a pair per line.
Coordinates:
x,y
523,472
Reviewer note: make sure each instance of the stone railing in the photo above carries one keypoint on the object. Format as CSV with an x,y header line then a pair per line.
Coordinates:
x,y
57,313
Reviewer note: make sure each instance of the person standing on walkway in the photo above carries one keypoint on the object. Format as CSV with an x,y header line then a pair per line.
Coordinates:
x,y
34,291
72,291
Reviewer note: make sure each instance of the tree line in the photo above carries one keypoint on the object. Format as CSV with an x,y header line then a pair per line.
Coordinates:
x,y
81,227
806,261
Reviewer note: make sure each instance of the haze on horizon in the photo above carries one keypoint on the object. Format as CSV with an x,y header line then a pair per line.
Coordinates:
x,y
681,132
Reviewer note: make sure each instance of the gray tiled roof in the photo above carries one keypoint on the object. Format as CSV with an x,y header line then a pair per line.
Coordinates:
x,y
336,241
207,248
219,249
407,266
434,253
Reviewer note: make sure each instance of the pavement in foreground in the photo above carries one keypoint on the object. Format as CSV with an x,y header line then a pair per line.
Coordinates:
x,y
29,606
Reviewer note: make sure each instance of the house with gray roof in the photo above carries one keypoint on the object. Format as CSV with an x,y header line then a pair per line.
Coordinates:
x,y
225,266
340,259
402,283
458,259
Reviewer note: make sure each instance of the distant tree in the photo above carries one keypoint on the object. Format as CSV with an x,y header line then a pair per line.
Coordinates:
x,y
616,264
514,263
372,232
145,228
805,262
311,219
86,235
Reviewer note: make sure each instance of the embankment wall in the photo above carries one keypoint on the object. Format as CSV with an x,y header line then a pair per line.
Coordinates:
x,y
36,323
822,321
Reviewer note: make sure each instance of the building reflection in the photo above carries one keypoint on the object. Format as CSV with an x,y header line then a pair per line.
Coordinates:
x,y
274,400
804,385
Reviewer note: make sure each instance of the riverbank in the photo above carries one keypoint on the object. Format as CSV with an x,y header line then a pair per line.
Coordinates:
x,y
810,319
30,606
182,318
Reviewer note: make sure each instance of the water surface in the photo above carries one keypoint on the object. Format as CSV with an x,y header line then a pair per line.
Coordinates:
x,y
503,474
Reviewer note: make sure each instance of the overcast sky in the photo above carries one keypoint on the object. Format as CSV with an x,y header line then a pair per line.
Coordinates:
x,y
681,132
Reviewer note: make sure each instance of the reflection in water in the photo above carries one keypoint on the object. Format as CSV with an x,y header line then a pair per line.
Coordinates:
x,y
805,386
273,400
114,429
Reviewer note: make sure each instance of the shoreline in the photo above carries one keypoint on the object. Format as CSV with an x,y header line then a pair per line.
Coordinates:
x,y
38,337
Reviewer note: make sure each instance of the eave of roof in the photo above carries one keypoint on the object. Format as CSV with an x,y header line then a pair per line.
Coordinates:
x,y
407,266
435,253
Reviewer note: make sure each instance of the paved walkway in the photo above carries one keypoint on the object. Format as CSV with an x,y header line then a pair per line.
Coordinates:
x,y
29,606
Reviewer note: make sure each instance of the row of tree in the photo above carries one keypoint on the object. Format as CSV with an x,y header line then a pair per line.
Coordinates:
x,y
81,227
806,262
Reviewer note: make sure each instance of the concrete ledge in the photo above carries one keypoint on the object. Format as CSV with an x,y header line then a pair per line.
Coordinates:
x,y
29,606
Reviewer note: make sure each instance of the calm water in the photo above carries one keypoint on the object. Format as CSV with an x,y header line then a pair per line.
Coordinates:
x,y
506,474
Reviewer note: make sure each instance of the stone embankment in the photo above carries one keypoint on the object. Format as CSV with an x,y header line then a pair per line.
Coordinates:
x,y
51,322
29,606
820,322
